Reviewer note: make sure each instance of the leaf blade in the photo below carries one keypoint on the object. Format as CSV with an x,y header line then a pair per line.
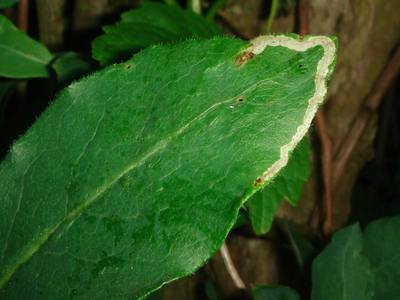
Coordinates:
x,y
87,178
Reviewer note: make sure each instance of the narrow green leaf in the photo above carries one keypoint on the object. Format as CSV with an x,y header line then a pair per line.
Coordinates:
x,y
7,3
152,23
274,293
382,248
21,56
341,272
70,66
134,176
287,185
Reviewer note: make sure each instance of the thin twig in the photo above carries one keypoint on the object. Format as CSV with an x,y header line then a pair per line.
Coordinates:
x,y
23,9
293,244
322,131
195,5
326,146
271,16
303,23
372,102
215,7
230,267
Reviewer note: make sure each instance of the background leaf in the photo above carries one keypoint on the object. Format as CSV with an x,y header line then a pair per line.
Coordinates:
x,y
152,23
360,267
340,271
70,66
134,176
382,248
21,56
7,3
287,185
274,293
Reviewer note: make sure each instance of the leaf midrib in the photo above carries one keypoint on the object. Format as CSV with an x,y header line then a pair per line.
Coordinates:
x,y
27,56
31,248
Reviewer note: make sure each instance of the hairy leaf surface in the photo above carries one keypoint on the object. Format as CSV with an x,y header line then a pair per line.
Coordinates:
x,y
21,56
152,23
287,185
134,176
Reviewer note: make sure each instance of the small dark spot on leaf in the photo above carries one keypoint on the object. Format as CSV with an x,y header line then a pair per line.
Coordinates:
x,y
257,182
243,57
128,66
240,99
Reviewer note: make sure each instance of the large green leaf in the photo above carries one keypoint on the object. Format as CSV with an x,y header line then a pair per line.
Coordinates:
x,y
360,267
152,23
21,56
134,176
287,185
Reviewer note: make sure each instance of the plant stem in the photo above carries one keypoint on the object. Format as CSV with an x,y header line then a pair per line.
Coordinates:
x,y
171,2
23,9
230,267
195,5
271,17
215,7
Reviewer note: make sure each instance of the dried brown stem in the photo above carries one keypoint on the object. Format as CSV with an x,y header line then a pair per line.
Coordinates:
x,y
326,146
51,22
323,135
371,104
230,267
23,9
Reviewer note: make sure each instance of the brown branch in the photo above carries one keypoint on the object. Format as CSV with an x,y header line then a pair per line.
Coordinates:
x,y
303,24
23,9
51,22
322,131
230,267
326,158
371,104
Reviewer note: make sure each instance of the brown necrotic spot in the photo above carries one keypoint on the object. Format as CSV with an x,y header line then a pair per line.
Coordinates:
x,y
243,57
128,66
258,181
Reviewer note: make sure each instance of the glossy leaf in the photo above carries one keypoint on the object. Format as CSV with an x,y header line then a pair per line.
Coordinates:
x,y
152,23
287,185
7,3
134,175
21,56
274,293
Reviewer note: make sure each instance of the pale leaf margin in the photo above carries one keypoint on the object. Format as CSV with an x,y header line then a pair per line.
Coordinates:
x,y
324,69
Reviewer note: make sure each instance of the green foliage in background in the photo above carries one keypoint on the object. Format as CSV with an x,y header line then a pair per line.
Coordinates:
x,y
360,265
287,185
21,56
151,24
